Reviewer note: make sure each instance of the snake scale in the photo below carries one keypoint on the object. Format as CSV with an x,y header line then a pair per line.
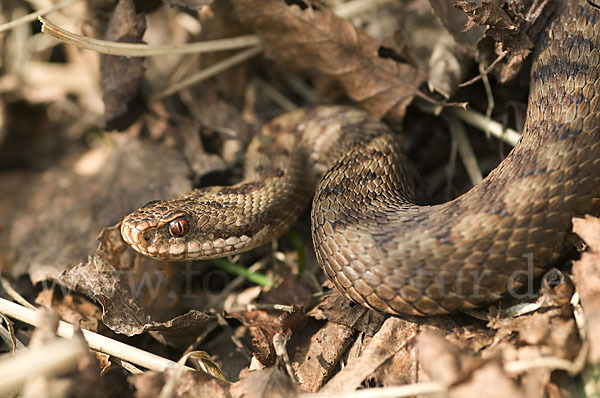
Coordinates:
x,y
377,246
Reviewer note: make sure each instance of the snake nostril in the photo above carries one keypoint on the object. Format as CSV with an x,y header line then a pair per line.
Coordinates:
x,y
147,236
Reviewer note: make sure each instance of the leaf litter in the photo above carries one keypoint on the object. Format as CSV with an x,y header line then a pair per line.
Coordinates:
x,y
67,180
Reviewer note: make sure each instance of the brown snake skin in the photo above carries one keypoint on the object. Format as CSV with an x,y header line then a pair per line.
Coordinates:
x,y
378,247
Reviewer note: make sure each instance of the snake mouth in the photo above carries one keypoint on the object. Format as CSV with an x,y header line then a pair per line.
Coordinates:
x,y
144,239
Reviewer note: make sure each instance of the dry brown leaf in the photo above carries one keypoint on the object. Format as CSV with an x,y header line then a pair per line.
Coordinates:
x,y
426,42
99,280
398,370
467,374
447,67
455,21
290,291
511,31
183,330
121,76
335,307
488,381
306,35
443,361
73,308
268,382
264,325
588,229
63,210
122,313
548,332
487,13
586,273
318,353
390,339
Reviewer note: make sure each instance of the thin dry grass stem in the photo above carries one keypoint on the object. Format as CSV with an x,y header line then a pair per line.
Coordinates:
x,y
9,338
356,7
483,123
465,150
208,72
34,15
53,358
300,87
486,70
145,50
127,366
346,10
280,345
14,294
450,169
488,92
95,341
268,307
276,95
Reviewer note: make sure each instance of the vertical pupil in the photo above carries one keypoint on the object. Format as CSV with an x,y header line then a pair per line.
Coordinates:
x,y
178,227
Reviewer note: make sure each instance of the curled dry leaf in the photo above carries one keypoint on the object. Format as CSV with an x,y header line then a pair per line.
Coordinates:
x,y
306,35
487,13
511,31
100,280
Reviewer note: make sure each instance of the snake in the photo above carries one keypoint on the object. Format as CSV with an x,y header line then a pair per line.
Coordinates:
x,y
380,248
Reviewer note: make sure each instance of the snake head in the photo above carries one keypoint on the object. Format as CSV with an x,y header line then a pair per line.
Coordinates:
x,y
185,228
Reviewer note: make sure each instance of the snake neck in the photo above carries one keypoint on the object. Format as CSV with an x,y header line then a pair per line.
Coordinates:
x,y
283,166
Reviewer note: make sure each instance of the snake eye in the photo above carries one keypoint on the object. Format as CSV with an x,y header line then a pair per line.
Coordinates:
x,y
179,227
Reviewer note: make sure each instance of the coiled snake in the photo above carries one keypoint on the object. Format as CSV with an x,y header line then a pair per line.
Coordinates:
x,y
378,247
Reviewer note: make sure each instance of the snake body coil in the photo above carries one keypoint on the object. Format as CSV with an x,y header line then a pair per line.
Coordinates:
x,y
378,247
